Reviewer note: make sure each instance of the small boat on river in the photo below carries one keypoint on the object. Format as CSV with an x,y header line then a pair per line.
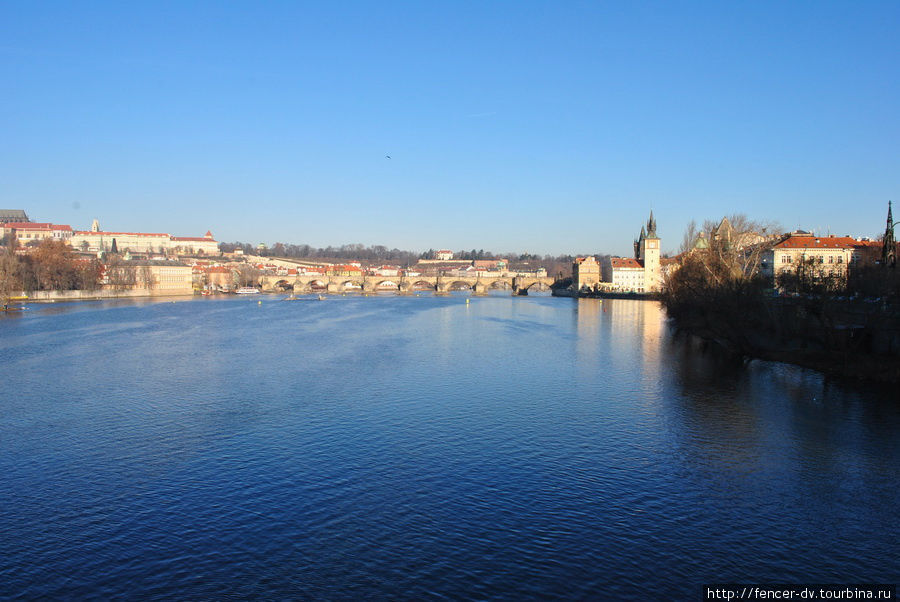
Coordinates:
x,y
247,290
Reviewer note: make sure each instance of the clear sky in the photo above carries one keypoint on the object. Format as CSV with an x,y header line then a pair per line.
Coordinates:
x,y
548,127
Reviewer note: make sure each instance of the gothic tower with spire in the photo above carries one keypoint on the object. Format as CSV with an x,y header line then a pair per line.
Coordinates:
x,y
649,256
888,248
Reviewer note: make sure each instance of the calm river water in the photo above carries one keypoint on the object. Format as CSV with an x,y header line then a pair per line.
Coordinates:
x,y
421,448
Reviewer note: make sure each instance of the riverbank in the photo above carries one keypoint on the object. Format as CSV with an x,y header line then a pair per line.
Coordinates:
x,y
855,340
566,292
99,295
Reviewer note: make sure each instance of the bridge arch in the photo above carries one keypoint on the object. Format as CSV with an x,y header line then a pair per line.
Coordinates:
x,y
284,285
422,285
351,285
458,285
386,285
535,286
311,286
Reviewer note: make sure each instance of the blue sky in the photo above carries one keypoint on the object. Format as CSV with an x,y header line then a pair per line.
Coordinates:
x,y
511,126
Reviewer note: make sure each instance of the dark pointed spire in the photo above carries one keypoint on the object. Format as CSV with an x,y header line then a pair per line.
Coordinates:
x,y
888,248
651,225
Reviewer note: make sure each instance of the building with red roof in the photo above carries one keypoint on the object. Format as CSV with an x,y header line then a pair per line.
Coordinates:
x,y
96,240
27,232
833,255
639,274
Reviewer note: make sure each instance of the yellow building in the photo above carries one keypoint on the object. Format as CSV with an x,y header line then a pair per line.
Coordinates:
x,y
27,232
585,273
149,277
833,255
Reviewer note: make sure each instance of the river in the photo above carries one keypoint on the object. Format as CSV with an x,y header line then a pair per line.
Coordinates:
x,y
423,447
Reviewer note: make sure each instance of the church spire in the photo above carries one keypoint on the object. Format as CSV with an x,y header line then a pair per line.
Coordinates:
x,y
651,226
888,257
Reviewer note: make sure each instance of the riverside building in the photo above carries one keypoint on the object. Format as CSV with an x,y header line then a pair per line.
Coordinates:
x,y
97,240
640,274
832,255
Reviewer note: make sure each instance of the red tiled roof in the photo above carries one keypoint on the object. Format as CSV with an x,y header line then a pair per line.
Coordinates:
x,y
122,233
37,226
192,238
625,262
818,242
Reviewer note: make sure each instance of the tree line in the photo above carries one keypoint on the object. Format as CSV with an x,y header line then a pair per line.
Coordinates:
x,y
836,320
51,266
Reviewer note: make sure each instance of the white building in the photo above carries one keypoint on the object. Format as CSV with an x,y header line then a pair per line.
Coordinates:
x,y
625,274
26,232
640,274
832,254
96,240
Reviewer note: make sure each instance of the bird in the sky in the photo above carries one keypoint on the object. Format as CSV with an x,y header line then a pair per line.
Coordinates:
x,y
387,156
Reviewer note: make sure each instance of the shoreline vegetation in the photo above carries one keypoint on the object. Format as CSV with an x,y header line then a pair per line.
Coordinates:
x,y
843,323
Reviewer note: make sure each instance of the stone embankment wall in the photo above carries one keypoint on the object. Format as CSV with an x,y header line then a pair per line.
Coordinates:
x,y
103,294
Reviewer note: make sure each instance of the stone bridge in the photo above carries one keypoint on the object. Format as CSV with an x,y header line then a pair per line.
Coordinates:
x,y
479,285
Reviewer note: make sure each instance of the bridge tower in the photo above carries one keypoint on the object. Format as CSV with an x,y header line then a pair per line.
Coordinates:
x,y
648,253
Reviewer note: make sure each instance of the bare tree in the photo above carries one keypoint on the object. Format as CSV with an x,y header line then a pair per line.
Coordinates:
x,y
119,274
145,274
246,275
736,245
690,237
10,275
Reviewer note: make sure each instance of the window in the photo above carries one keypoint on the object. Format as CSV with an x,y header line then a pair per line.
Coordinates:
x,y
840,259
831,259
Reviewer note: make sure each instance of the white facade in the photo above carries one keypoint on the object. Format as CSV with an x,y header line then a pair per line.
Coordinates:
x,y
143,242
832,254
30,231
624,274
642,273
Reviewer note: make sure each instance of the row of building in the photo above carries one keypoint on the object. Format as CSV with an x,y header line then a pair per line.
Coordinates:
x,y
647,270
642,273
96,240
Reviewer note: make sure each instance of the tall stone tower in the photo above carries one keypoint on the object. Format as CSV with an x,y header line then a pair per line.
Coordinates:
x,y
649,255
95,226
